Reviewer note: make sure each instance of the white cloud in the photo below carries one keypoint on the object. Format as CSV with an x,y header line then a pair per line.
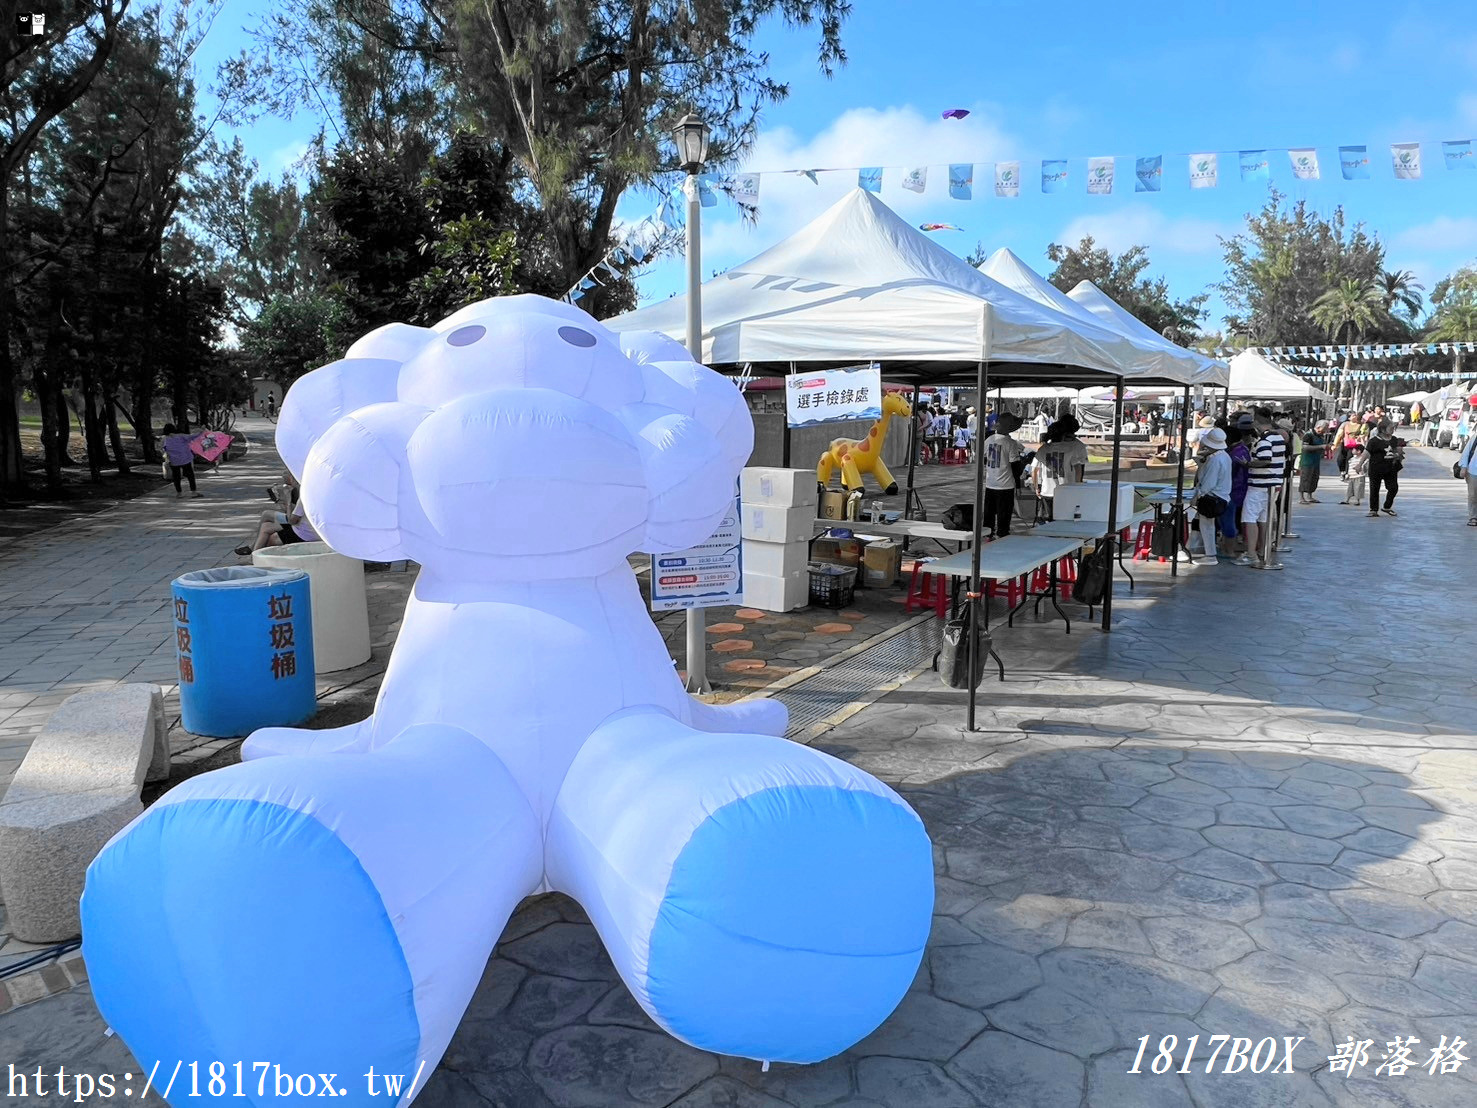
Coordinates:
x,y
1162,234
901,136
1442,235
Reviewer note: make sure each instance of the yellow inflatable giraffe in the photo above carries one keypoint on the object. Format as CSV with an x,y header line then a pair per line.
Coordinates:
x,y
858,456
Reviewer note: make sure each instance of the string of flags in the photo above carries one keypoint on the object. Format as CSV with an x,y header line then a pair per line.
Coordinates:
x,y
1202,170
634,242
1338,353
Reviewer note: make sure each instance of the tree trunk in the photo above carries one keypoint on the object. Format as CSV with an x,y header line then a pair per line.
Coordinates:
x,y
53,422
143,412
63,419
115,439
97,450
12,470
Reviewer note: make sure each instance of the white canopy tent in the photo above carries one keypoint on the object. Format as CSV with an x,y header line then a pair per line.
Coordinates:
x,y
1132,352
858,283
1253,377
1090,298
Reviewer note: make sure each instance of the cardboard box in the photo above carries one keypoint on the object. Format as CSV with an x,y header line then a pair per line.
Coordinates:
x,y
777,594
837,552
770,524
775,559
832,504
880,563
778,488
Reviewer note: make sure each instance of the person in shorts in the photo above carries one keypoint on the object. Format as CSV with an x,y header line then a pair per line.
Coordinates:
x,y
1001,454
1268,464
284,526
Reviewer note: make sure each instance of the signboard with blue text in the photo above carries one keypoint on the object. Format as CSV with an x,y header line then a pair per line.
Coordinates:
x,y
833,395
708,575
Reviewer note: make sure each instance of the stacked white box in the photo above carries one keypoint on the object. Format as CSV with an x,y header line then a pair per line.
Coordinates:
x,y
777,521
779,488
777,594
775,559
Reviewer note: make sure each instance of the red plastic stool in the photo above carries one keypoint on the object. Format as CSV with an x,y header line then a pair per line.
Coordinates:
x,y
1066,570
925,589
1143,545
1014,590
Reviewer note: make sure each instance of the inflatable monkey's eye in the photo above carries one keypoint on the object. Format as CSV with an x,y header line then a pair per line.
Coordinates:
x,y
575,337
466,336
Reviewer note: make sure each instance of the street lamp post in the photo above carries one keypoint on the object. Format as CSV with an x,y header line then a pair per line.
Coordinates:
x,y
691,134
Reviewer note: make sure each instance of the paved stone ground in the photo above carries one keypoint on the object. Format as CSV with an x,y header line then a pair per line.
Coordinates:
x,y
1249,811
85,604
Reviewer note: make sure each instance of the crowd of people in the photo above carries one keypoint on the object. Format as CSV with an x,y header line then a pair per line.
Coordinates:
x,y
1243,458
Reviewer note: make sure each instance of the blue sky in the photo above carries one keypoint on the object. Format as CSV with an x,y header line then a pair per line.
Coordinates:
x,y
1076,80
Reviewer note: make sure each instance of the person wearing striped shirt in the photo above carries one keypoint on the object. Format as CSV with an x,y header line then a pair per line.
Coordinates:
x,y
1268,461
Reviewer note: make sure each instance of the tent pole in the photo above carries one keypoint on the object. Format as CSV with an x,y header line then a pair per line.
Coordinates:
x,y
912,457
785,434
1112,536
1179,492
982,384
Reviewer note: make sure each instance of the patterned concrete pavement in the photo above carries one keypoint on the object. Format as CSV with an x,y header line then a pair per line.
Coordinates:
x,y
1250,811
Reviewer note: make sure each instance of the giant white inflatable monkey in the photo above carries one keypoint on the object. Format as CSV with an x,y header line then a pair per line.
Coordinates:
x,y
329,904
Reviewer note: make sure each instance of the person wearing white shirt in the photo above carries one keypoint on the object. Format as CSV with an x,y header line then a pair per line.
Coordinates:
x,y
1001,454
1062,460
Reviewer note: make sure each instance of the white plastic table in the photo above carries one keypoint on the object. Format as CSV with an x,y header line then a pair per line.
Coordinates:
x,y
911,528
1010,557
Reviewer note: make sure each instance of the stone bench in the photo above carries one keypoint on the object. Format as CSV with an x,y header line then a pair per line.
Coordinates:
x,y
77,787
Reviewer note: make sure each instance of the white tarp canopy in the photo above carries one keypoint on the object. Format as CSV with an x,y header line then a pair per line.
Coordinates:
x,y
1090,298
859,283
1407,397
1254,377
1132,352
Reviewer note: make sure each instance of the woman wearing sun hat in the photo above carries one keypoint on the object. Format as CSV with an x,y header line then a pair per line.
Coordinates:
x,y
1212,488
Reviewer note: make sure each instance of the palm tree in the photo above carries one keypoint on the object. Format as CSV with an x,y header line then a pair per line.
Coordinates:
x,y
1456,321
1400,293
1347,310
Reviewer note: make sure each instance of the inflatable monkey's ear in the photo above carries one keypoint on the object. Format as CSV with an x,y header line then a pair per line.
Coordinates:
x,y
318,400
644,347
394,342
356,487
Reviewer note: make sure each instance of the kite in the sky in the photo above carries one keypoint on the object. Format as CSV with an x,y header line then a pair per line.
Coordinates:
x,y
938,227
956,113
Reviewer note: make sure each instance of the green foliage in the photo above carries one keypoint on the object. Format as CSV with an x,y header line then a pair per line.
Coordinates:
x,y
1286,259
1352,308
296,334
257,232
1455,302
1122,279
581,93
473,260
1400,295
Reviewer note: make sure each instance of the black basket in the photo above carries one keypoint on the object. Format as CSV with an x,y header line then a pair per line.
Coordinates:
x,y
832,586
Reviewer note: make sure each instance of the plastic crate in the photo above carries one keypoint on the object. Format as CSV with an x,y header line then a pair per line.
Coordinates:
x,y
832,586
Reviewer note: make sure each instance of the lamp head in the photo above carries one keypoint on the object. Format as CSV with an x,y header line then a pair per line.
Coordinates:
x,y
691,134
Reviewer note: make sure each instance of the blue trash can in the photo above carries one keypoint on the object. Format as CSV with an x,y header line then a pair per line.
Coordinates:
x,y
244,638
